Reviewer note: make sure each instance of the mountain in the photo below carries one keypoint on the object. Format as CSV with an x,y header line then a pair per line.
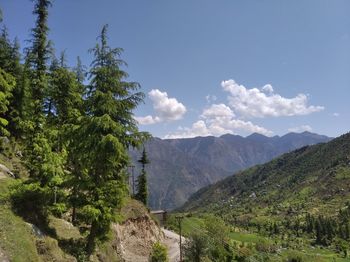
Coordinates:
x,y
314,178
180,167
173,175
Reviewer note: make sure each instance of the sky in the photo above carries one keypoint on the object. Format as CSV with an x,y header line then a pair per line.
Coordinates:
x,y
214,67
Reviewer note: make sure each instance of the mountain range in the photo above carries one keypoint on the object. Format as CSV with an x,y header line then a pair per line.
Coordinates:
x,y
180,167
314,179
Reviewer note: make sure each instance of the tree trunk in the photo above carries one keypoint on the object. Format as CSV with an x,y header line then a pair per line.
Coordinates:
x,y
74,215
74,204
90,246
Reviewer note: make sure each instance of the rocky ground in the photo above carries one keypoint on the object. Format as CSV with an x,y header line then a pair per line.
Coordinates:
x,y
171,241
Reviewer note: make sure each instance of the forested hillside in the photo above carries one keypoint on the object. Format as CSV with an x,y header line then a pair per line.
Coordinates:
x,y
180,167
301,200
65,132
311,175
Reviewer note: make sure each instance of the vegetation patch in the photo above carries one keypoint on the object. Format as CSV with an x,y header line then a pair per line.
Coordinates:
x,y
16,239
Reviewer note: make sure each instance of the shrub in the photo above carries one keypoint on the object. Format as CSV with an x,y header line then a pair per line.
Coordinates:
x,y
159,253
29,200
196,248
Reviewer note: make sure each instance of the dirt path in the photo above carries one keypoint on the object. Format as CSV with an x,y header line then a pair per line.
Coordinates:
x,y
171,241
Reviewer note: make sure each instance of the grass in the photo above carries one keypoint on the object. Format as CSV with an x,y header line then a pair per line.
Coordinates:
x,y
314,255
131,209
16,239
64,230
343,173
246,237
189,224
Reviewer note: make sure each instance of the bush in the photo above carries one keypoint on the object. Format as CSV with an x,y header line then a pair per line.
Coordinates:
x,y
293,256
29,201
58,209
196,248
295,259
264,246
159,253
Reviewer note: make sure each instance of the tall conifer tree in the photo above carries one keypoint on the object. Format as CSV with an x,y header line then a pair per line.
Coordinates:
x,y
8,66
44,161
39,54
142,191
7,83
103,138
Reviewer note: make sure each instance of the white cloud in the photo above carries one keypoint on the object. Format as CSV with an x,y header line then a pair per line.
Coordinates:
x,y
267,88
147,120
166,109
300,129
217,120
217,110
336,114
262,103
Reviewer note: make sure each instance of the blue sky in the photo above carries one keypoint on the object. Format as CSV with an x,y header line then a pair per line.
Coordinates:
x,y
213,67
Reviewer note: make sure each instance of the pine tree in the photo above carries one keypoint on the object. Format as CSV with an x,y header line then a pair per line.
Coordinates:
x,y
38,153
65,95
103,138
39,54
45,162
142,191
10,63
80,71
7,82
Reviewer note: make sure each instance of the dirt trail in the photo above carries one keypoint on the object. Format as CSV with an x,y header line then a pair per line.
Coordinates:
x,y
171,241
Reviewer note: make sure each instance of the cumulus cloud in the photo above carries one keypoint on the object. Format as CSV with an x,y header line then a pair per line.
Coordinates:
x,y
217,120
336,114
218,110
166,109
147,120
299,129
264,102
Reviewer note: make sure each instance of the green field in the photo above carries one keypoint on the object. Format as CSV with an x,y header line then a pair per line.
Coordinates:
x,y
240,238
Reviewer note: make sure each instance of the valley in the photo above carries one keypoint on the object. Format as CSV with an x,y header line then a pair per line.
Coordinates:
x,y
296,205
180,167
174,131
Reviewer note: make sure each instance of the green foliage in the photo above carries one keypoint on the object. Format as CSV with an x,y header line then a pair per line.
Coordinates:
x,y
102,139
142,191
294,258
159,253
58,209
30,200
65,103
298,201
15,235
75,137
142,187
7,83
37,59
196,247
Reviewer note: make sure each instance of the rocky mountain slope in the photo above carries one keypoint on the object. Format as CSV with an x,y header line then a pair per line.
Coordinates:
x,y
180,167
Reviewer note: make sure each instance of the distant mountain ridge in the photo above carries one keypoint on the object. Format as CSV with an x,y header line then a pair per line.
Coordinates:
x,y
180,167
